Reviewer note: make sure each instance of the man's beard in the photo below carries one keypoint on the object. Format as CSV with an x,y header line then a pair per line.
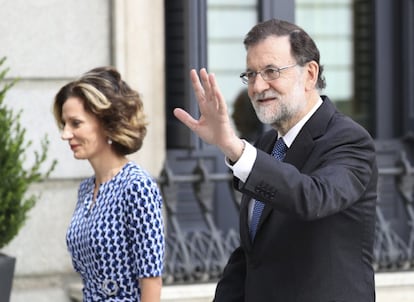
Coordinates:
x,y
281,109
275,114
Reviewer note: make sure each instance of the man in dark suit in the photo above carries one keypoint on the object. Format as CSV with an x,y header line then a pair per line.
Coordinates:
x,y
313,241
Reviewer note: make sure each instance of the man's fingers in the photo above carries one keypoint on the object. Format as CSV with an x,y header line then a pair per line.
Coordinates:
x,y
202,85
185,118
216,90
198,88
208,89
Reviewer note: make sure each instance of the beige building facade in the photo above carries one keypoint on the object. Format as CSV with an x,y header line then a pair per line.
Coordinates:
x,y
50,42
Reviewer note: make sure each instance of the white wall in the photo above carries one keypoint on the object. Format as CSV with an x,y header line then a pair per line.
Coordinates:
x,y
48,43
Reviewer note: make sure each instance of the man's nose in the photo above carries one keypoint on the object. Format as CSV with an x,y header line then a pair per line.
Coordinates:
x,y
259,85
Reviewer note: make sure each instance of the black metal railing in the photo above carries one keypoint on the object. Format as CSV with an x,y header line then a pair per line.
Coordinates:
x,y
394,241
196,255
199,255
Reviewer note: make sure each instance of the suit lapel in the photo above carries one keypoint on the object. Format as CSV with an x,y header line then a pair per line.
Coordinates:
x,y
301,147
315,127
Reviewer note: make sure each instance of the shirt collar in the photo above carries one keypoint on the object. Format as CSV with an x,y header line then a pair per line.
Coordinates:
x,y
293,132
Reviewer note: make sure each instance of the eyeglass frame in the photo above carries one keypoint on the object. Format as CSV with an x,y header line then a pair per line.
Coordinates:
x,y
246,80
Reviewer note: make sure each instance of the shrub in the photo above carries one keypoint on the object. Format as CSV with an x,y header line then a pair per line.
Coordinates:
x,y
14,178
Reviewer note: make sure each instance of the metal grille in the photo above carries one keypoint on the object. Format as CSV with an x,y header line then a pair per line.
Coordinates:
x,y
200,254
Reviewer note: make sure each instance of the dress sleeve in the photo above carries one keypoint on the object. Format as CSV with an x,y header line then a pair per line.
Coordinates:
x,y
145,226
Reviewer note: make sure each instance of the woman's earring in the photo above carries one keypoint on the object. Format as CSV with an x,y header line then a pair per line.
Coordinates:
x,y
109,141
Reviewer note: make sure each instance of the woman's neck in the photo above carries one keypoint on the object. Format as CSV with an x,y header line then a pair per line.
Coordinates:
x,y
106,169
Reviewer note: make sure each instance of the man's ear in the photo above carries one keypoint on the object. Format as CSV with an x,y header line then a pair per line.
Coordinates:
x,y
312,71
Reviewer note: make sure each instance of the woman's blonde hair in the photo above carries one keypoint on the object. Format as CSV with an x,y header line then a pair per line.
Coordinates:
x,y
118,107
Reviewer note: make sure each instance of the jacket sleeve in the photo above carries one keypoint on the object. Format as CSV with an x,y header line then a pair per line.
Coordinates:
x,y
231,286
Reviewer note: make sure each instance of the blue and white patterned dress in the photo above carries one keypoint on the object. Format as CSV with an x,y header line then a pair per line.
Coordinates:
x,y
120,239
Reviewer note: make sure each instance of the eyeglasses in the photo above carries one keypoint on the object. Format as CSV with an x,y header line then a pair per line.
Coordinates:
x,y
268,74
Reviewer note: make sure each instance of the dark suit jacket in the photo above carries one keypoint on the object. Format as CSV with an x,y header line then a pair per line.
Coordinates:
x,y
314,241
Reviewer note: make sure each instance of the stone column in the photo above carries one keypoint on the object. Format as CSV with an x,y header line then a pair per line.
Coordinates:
x,y
138,40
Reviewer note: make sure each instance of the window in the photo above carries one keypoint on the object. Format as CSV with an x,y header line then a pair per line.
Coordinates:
x,y
227,24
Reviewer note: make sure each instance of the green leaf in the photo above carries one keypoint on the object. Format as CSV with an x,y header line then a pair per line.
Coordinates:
x,y
14,178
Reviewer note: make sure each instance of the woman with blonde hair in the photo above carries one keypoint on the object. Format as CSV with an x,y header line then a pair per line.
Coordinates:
x,y
115,237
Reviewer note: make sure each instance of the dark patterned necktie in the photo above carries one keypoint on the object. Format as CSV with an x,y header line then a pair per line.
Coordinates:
x,y
279,151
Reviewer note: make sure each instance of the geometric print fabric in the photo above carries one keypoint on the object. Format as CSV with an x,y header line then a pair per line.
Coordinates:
x,y
120,238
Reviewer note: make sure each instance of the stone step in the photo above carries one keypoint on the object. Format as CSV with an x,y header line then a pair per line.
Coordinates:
x,y
395,287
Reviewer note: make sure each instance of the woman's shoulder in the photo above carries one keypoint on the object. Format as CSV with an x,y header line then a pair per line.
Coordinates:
x,y
140,185
134,174
133,170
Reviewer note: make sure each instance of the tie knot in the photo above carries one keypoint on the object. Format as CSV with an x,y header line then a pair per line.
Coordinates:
x,y
279,149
